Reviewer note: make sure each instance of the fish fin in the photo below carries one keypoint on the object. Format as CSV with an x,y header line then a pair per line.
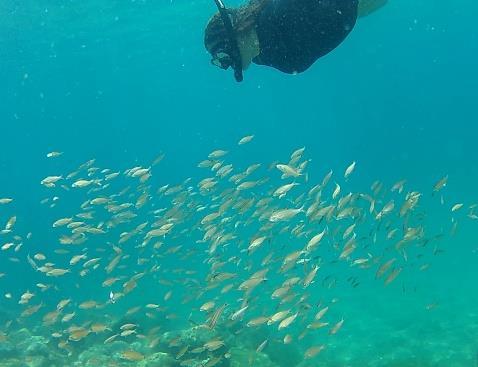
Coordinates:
x,y
367,7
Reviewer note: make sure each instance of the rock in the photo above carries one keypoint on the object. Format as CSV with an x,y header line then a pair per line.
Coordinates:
x,y
244,357
39,361
194,337
7,349
20,336
31,350
158,360
13,362
91,359
197,334
35,346
284,355
100,354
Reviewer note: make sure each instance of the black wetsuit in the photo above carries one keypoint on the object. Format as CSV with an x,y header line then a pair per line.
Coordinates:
x,y
293,34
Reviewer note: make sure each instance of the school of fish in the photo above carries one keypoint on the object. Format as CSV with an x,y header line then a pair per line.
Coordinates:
x,y
240,249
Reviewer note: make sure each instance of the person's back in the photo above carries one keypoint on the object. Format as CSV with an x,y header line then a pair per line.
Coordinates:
x,y
293,34
288,35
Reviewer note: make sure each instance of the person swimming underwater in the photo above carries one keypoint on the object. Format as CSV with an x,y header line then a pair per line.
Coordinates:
x,y
288,35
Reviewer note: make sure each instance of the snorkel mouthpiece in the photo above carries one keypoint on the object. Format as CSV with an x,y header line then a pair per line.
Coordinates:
x,y
238,75
234,47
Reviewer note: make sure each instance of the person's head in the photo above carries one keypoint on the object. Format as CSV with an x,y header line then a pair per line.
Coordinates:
x,y
216,38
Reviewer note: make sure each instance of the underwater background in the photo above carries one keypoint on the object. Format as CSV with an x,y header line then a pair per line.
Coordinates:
x,y
122,81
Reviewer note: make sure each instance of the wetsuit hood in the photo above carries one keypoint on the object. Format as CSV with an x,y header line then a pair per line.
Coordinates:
x,y
226,52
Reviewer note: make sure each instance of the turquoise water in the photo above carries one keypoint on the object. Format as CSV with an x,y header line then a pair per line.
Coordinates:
x,y
123,82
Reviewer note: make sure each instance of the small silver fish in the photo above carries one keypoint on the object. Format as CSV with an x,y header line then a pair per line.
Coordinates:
x,y
285,214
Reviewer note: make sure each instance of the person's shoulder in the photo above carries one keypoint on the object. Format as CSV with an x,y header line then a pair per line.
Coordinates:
x,y
258,5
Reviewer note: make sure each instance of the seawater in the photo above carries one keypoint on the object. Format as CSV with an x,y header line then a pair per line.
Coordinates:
x,y
120,82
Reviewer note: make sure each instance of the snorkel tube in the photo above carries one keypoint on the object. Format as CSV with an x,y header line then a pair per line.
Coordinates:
x,y
235,53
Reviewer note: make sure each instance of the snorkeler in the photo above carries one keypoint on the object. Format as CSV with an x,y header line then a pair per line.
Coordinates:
x,y
289,35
